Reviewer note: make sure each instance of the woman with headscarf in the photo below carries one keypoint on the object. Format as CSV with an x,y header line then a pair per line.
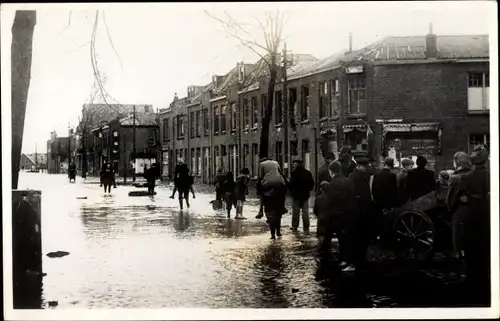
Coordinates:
x,y
457,208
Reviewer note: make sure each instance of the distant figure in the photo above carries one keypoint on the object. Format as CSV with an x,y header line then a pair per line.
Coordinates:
x,y
151,175
183,182
107,178
72,173
241,190
229,191
420,180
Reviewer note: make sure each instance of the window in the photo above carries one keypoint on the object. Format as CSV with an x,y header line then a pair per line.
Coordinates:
x,y
217,158
246,152
357,95
293,106
323,99
206,164
279,153
180,126
234,117
357,139
193,161
255,112
198,123
334,98
198,161
255,159
304,102
216,120
165,129
206,127
192,124
223,118
478,93
278,104
478,140
246,113
306,154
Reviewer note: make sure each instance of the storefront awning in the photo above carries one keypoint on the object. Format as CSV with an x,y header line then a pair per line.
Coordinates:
x,y
411,127
328,130
359,127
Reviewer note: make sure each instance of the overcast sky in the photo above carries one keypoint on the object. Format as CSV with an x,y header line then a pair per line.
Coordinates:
x,y
163,48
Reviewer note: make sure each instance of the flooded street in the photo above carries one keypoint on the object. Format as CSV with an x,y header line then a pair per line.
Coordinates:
x,y
142,252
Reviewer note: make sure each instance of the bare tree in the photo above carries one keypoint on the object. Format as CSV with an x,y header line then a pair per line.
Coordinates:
x,y
21,56
268,50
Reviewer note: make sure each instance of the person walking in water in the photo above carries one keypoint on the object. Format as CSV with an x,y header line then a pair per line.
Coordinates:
x,y
229,191
241,191
182,183
300,186
151,174
182,170
107,178
272,187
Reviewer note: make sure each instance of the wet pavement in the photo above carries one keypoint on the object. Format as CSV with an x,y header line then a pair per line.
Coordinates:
x,y
142,252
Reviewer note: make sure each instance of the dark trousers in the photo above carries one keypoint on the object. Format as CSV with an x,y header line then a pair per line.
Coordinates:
x,y
275,224
151,188
345,227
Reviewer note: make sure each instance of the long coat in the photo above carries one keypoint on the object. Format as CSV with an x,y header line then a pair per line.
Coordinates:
x,y
456,208
361,182
301,184
420,182
385,189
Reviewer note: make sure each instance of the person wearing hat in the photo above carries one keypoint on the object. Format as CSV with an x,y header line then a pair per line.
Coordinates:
x,y
385,187
347,160
402,180
300,186
475,190
458,209
360,178
421,180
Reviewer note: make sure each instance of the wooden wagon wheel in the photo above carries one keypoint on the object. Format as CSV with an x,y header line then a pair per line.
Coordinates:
x,y
414,232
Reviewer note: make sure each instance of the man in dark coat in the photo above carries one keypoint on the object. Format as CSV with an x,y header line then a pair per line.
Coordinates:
x,y
457,208
150,175
182,182
420,180
300,186
385,188
361,181
475,187
347,161
323,171
402,180
341,201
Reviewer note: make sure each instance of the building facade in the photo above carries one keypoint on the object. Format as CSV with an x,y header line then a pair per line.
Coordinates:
x,y
400,97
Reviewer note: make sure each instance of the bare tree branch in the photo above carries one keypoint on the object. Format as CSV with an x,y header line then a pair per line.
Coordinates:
x,y
110,40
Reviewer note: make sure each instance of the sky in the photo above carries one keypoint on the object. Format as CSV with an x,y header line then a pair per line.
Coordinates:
x,y
161,49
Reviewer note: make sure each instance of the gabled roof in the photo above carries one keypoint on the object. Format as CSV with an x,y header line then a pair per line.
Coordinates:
x,y
413,48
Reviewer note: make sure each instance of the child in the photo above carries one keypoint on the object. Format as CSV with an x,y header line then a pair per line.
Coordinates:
x,y
319,209
241,191
228,190
442,187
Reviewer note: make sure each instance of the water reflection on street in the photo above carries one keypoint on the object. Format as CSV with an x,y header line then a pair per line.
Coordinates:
x,y
142,252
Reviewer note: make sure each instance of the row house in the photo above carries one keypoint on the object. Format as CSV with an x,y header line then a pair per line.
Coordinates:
x,y
399,97
60,150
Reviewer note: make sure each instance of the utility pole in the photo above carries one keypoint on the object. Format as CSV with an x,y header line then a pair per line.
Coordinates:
x,y
284,97
134,162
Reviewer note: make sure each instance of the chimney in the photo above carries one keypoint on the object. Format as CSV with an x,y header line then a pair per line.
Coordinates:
x,y
350,42
430,44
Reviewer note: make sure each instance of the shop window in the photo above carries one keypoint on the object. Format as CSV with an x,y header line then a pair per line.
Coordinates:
x,y
357,140
357,95
478,92
478,140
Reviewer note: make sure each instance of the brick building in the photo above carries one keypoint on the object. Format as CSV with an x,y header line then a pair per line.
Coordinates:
x,y
399,97
104,125
59,151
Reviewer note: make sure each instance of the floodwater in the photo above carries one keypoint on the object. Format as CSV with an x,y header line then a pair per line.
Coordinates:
x,y
142,252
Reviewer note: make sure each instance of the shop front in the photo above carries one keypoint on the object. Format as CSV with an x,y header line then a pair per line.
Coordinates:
x,y
412,140
328,142
360,138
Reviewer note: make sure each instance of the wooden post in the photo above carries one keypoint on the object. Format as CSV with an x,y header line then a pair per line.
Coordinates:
x,y
21,54
26,248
